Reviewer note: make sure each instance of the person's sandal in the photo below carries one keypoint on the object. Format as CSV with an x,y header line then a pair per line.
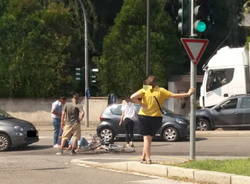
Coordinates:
x,y
148,162
143,161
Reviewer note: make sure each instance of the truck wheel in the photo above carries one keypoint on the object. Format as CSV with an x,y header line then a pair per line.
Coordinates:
x,y
203,124
4,142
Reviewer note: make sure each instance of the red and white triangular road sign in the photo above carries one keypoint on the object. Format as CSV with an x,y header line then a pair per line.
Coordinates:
x,y
194,48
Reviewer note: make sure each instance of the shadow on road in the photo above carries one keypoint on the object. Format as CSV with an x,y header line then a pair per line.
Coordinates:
x,y
200,139
31,148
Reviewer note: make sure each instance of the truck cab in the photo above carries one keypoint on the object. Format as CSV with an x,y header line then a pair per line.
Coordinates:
x,y
226,74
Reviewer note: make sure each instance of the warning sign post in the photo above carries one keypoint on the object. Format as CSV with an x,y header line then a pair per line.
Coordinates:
x,y
195,49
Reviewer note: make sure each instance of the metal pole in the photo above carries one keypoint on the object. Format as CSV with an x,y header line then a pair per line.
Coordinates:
x,y
193,73
148,39
86,90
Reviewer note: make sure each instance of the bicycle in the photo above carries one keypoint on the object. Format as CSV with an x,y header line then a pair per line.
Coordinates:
x,y
97,145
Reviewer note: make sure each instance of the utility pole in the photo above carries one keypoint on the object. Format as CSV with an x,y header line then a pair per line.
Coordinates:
x,y
86,89
193,73
148,39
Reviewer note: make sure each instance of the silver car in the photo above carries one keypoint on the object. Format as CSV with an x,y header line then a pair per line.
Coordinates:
x,y
15,132
174,126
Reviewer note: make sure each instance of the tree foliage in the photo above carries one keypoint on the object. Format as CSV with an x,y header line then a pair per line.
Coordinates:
x,y
122,63
42,41
33,54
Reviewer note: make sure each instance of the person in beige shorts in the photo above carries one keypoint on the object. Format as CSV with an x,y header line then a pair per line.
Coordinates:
x,y
72,115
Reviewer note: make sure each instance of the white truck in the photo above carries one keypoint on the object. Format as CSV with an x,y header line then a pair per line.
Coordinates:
x,y
226,74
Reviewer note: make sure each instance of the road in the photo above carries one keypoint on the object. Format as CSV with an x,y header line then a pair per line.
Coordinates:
x,y
28,169
206,146
39,164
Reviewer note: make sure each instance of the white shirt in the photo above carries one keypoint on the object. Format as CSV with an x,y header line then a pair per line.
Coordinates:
x,y
129,111
57,107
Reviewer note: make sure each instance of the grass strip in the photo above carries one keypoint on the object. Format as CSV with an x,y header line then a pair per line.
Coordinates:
x,y
236,166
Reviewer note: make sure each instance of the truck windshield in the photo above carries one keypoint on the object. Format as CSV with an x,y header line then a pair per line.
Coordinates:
x,y
218,78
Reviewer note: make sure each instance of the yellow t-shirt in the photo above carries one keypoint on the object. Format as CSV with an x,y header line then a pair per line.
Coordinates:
x,y
148,99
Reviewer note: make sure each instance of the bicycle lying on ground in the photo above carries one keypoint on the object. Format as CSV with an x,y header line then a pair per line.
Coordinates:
x,y
97,145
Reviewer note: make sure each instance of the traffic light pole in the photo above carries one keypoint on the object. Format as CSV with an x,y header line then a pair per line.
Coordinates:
x,y
148,39
86,100
193,73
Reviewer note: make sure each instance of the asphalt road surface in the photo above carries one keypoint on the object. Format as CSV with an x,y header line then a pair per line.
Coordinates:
x,y
207,146
38,163
29,169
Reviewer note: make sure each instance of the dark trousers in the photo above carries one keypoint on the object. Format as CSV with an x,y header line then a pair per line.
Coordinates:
x,y
129,127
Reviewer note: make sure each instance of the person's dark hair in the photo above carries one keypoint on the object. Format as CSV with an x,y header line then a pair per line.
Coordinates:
x,y
127,99
151,80
63,98
76,96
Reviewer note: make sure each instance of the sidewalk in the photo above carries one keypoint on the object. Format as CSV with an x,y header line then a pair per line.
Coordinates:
x,y
158,169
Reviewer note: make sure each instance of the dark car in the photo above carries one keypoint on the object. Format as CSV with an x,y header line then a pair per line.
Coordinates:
x,y
234,112
174,127
15,132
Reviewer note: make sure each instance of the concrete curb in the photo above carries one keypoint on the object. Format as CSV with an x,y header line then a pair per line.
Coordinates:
x,y
169,171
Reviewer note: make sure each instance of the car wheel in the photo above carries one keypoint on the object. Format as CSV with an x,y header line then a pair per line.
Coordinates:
x,y
202,124
4,142
170,134
106,134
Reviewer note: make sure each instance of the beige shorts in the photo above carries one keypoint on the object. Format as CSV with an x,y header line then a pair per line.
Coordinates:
x,y
72,131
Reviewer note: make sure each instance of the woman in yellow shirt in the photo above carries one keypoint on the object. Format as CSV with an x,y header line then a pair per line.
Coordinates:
x,y
151,97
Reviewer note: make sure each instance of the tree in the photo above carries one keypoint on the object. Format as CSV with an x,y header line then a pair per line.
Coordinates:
x,y
33,54
122,64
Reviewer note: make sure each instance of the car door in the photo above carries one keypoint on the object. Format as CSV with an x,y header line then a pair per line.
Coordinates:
x,y
137,123
116,116
226,114
244,111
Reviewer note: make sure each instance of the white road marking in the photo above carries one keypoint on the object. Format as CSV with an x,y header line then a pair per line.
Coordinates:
x,y
45,137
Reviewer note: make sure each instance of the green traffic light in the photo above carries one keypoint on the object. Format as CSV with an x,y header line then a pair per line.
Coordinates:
x,y
200,26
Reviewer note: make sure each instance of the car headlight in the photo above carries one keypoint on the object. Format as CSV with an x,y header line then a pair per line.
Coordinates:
x,y
19,129
180,121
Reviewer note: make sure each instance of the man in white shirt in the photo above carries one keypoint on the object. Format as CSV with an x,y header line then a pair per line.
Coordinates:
x,y
56,113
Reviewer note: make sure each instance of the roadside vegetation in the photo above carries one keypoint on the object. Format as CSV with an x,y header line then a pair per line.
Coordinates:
x,y
42,42
235,166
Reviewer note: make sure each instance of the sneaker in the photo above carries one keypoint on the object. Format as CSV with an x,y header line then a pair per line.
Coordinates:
x,y
128,145
72,152
56,146
60,152
131,144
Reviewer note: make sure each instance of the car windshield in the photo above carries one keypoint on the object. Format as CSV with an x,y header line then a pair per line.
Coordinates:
x,y
167,111
4,115
116,109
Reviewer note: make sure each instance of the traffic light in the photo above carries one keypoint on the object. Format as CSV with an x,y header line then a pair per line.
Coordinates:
x,y
201,16
78,73
93,76
184,18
